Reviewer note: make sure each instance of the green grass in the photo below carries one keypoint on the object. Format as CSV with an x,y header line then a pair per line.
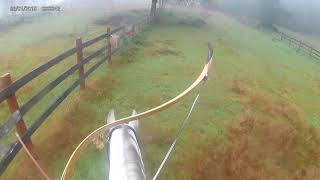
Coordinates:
x,y
161,63
92,159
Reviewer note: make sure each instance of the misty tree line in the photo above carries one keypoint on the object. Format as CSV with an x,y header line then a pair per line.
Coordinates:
x,y
303,18
276,12
298,15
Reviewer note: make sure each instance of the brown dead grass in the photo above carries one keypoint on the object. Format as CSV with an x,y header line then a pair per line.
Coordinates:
x,y
163,47
62,134
257,148
97,88
270,105
317,82
149,100
122,59
151,133
269,141
58,143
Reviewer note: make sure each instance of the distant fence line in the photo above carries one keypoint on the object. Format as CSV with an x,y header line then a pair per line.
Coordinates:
x,y
9,88
311,51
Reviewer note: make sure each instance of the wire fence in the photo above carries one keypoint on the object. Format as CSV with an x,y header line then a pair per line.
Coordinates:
x,y
300,46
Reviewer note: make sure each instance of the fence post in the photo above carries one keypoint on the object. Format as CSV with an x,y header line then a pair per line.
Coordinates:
x,y
79,60
109,43
133,30
281,36
138,26
13,105
122,36
124,33
289,42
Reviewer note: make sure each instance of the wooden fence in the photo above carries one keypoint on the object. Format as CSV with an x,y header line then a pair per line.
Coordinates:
x,y
9,88
301,46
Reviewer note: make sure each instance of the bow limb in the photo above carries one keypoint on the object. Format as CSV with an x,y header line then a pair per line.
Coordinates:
x,y
86,141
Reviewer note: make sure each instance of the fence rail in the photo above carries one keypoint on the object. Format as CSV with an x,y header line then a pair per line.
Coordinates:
x,y
8,92
301,45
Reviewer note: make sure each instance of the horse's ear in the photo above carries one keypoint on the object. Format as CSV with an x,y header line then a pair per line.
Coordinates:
x,y
111,117
134,124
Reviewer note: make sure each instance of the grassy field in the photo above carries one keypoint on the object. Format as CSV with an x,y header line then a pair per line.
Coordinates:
x,y
257,118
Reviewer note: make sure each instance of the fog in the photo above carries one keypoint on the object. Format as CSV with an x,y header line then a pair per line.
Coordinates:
x,y
299,5
5,5
298,15
10,15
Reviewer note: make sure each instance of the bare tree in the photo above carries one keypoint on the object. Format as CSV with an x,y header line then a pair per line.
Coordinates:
x,y
153,9
269,11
